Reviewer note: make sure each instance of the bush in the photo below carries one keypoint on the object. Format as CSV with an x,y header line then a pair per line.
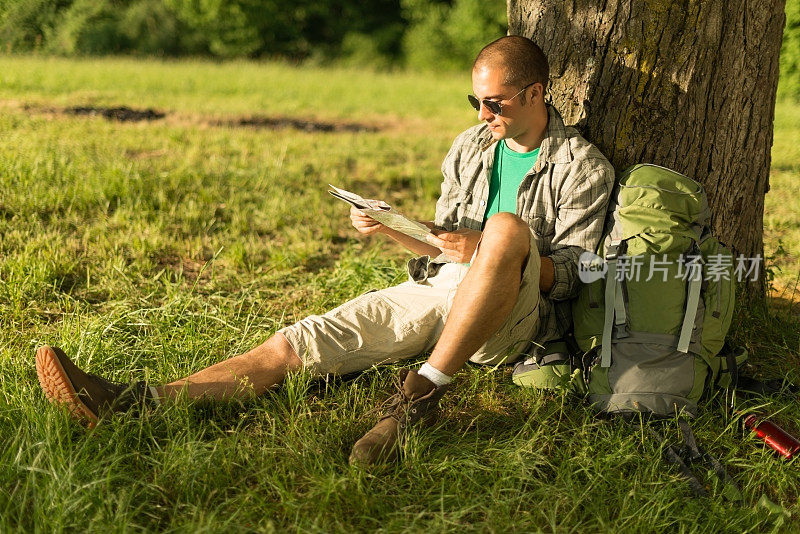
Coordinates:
x,y
89,27
428,34
222,28
440,34
449,36
361,49
95,27
152,28
295,30
24,24
230,29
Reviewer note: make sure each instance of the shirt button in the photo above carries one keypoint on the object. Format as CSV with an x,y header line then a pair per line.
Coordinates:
x,y
483,202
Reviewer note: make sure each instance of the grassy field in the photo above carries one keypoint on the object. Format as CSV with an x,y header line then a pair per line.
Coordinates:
x,y
782,207
156,248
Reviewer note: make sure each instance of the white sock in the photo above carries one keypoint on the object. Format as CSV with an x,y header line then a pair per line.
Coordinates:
x,y
434,375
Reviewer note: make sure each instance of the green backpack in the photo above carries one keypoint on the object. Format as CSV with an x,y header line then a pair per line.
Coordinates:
x,y
650,324
654,326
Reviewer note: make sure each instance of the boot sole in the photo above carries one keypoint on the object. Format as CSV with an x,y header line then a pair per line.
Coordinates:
x,y
57,386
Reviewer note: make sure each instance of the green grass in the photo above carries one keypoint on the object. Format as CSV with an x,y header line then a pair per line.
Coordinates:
x,y
782,206
155,249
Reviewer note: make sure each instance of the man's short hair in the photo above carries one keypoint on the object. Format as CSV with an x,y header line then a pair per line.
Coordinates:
x,y
522,59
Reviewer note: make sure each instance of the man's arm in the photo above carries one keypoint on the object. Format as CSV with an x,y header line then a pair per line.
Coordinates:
x,y
367,225
579,227
458,246
450,237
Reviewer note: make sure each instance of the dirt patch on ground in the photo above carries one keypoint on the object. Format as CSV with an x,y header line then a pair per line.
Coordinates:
x,y
275,123
128,114
121,114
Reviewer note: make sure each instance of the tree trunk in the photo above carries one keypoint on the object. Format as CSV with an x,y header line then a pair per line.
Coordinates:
x,y
687,84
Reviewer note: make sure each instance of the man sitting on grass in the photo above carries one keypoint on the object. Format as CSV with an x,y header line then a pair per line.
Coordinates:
x,y
523,196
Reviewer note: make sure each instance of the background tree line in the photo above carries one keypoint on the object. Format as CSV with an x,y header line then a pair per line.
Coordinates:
x,y
441,34
378,33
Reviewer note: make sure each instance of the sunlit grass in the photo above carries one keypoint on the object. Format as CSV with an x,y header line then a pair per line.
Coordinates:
x,y
192,87
156,248
782,204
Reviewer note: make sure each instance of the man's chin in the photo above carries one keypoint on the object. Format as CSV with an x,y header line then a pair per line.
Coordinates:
x,y
497,134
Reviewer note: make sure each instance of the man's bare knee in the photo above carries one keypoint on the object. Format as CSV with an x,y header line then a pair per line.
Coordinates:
x,y
505,235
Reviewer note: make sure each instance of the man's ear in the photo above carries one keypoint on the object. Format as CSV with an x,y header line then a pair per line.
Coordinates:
x,y
537,91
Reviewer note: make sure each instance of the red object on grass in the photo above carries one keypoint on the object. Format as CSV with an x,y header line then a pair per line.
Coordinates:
x,y
777,438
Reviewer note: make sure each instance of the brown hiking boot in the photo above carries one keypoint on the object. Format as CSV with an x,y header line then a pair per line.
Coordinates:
x,y
86,396
417,398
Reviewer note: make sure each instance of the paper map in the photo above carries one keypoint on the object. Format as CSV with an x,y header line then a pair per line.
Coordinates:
x,y
383,213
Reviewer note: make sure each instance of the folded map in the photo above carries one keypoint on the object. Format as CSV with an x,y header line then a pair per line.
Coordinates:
x,y
383,213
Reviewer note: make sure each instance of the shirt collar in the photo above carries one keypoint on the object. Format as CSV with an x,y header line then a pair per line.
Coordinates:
x,y
555,146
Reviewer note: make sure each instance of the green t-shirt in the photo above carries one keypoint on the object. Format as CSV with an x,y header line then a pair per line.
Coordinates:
x,y
508,172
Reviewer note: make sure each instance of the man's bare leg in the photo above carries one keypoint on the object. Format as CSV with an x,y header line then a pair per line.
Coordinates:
x,y
90,397
482,303
487,294
248,374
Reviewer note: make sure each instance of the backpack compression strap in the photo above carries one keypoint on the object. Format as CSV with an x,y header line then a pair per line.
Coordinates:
x,y
695,279
616,316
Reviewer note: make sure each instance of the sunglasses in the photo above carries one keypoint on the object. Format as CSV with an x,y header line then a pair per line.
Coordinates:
x,y
493,106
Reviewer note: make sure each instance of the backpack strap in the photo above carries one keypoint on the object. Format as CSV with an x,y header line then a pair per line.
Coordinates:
x,y
730,376
692,303
620,309
730,489
611,282
673,457
691,453
776,386
615,324
733,368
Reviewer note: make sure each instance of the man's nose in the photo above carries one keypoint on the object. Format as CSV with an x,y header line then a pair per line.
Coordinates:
x,y
484,114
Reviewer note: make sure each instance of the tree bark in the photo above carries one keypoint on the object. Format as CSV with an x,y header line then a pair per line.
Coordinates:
x,y
687,84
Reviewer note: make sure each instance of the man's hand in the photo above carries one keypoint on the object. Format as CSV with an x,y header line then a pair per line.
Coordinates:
x,y
367,225
459,246
364,223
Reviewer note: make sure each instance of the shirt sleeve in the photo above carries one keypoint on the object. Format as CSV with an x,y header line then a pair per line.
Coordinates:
x,y
579,225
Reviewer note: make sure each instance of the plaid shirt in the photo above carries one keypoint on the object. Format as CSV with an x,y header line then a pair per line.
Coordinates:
x,y
563,198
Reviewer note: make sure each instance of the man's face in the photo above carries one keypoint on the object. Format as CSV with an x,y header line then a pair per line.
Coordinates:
x,y
487,83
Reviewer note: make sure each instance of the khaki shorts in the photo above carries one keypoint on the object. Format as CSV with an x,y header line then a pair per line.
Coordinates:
x,y
405,321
